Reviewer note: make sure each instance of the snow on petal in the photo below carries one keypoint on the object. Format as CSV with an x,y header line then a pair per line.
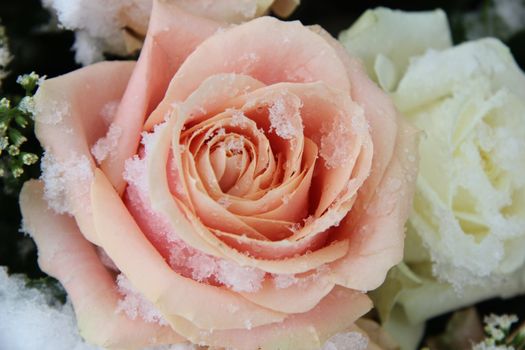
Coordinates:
x,y
68,124
66,255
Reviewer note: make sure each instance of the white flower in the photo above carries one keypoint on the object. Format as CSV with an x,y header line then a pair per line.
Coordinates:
x,y
466,235
118,26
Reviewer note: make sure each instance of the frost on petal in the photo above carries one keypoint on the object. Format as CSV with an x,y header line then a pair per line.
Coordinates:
x,y
109,110
104,146
346,341
283,281
283,115
238,118
334,148
66,181
134,304
238,278
205,268
467,207
53,112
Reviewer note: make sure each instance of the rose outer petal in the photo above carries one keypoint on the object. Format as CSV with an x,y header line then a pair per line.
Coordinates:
x,y
194,233
69,120
376,224
266,49
174,295
64,254
376,242
306,331
158,62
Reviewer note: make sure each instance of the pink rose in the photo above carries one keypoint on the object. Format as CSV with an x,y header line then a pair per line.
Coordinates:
x,y
237,187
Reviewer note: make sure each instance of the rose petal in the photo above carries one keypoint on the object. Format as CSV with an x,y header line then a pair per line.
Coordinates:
x,y
267,49
297,298
172,35
70,119
211,97
336,312
379,112
147,271
194,233
377,230
64,254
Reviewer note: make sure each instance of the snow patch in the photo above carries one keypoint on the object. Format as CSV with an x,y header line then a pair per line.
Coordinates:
x,y
33,319
346,341
52,112
107,145
283,116
109,111
335,145
65,181
134,304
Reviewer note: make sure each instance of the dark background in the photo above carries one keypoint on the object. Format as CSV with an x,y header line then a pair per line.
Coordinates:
x,y
37,46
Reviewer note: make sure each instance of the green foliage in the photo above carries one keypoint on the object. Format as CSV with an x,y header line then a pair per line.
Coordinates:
x,y
16,126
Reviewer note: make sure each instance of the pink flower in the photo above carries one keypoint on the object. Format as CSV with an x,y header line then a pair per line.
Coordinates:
x,y
237,187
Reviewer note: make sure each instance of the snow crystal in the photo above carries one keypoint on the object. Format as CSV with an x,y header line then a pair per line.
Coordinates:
x,y
66,181
246,62
282,121
238,118
205,267
52,112
283,281
134,304
149,138
238,278
335,143
105,146
235,144
221,132
135,173
346,341
32,319
109,110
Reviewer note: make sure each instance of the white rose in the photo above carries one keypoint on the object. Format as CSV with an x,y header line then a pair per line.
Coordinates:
x,y
466,235
118,27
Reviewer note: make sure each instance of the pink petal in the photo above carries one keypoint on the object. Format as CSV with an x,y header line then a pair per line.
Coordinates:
x,y
64,254
172,35
175,296
266,49
376,224
301,296
212,96
191,230
380,113
70,119
377,230
305,331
